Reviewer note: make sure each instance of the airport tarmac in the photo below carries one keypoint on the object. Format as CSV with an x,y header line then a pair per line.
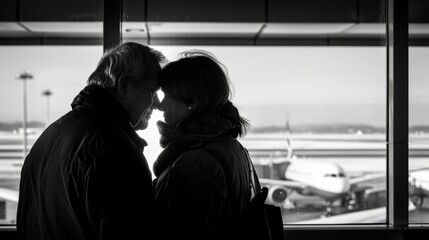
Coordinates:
x,y
418,216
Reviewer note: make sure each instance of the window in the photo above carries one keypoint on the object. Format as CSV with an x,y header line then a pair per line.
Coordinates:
x,y
315,111
60,70
317,106
419,134
39,82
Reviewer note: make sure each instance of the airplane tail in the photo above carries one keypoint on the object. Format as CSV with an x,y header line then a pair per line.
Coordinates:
x,y
289,148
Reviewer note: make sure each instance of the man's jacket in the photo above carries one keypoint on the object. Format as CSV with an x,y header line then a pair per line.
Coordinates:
x,y
86,176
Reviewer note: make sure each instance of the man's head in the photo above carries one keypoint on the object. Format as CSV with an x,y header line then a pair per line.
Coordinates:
x,y
129,72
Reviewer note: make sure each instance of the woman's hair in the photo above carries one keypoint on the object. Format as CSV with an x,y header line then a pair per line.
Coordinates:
x,y
132,61
199,78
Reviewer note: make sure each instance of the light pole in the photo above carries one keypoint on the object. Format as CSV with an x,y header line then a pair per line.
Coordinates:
x,y
47,93
24,76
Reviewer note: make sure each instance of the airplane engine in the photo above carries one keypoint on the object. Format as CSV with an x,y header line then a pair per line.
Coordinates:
x,y
276,195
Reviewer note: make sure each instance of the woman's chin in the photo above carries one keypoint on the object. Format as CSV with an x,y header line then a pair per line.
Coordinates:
x,y
167,120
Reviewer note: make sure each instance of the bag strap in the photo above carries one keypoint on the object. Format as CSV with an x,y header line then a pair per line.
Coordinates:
x,y
254,180
255,186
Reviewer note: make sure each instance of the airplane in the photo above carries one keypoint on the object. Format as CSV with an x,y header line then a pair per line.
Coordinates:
x,y
307,176
329,182
284,173
326,180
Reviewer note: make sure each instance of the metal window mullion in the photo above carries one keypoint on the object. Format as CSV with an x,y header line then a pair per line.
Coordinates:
x,y
397,113
112,12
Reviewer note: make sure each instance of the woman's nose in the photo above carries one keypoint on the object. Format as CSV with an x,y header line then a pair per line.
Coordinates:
x,y
159,105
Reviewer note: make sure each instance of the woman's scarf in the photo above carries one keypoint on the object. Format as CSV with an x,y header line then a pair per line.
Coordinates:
x,y
194,132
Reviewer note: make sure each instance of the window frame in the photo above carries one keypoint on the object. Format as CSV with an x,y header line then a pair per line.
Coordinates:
x,y
397,113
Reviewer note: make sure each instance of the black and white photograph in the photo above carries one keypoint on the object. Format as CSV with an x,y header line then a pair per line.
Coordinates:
x,y
246,119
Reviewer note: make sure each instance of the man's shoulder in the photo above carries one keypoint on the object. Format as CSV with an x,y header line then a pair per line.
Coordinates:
x,y
81,129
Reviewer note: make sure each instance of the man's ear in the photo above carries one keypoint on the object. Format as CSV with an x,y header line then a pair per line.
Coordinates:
x,y
122,88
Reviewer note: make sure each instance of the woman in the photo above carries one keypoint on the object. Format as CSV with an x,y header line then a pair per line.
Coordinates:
x,y
203,173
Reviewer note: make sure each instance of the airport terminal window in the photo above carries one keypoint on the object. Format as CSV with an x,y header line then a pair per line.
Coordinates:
x,y
321,107
58,74
318,117
418,134
318,113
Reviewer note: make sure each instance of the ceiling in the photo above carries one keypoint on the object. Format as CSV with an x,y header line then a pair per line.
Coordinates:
x,y
209,22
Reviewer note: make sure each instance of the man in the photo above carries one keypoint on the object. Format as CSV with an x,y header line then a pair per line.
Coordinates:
x,y
86,176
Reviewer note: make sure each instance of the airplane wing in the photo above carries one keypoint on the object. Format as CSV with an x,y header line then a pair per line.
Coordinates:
x,y
382,176
357,184
9,194
374,181
367,178
288,184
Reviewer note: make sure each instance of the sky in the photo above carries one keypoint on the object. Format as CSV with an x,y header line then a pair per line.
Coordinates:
x,y
307,85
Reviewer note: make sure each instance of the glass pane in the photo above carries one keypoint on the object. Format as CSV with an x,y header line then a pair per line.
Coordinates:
x,y
418,75
58,74
318,127
318,112
419,134
39,82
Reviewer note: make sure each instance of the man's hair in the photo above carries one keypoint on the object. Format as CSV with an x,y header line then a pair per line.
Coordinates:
x,y
131,61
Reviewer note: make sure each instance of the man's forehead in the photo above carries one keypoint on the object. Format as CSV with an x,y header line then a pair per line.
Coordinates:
x,y
152,84
151,80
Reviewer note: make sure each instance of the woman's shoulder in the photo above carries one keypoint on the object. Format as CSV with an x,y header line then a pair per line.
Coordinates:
x,y
197,162
198,157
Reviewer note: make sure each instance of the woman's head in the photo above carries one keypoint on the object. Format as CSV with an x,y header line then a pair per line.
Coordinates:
x,y
197,83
